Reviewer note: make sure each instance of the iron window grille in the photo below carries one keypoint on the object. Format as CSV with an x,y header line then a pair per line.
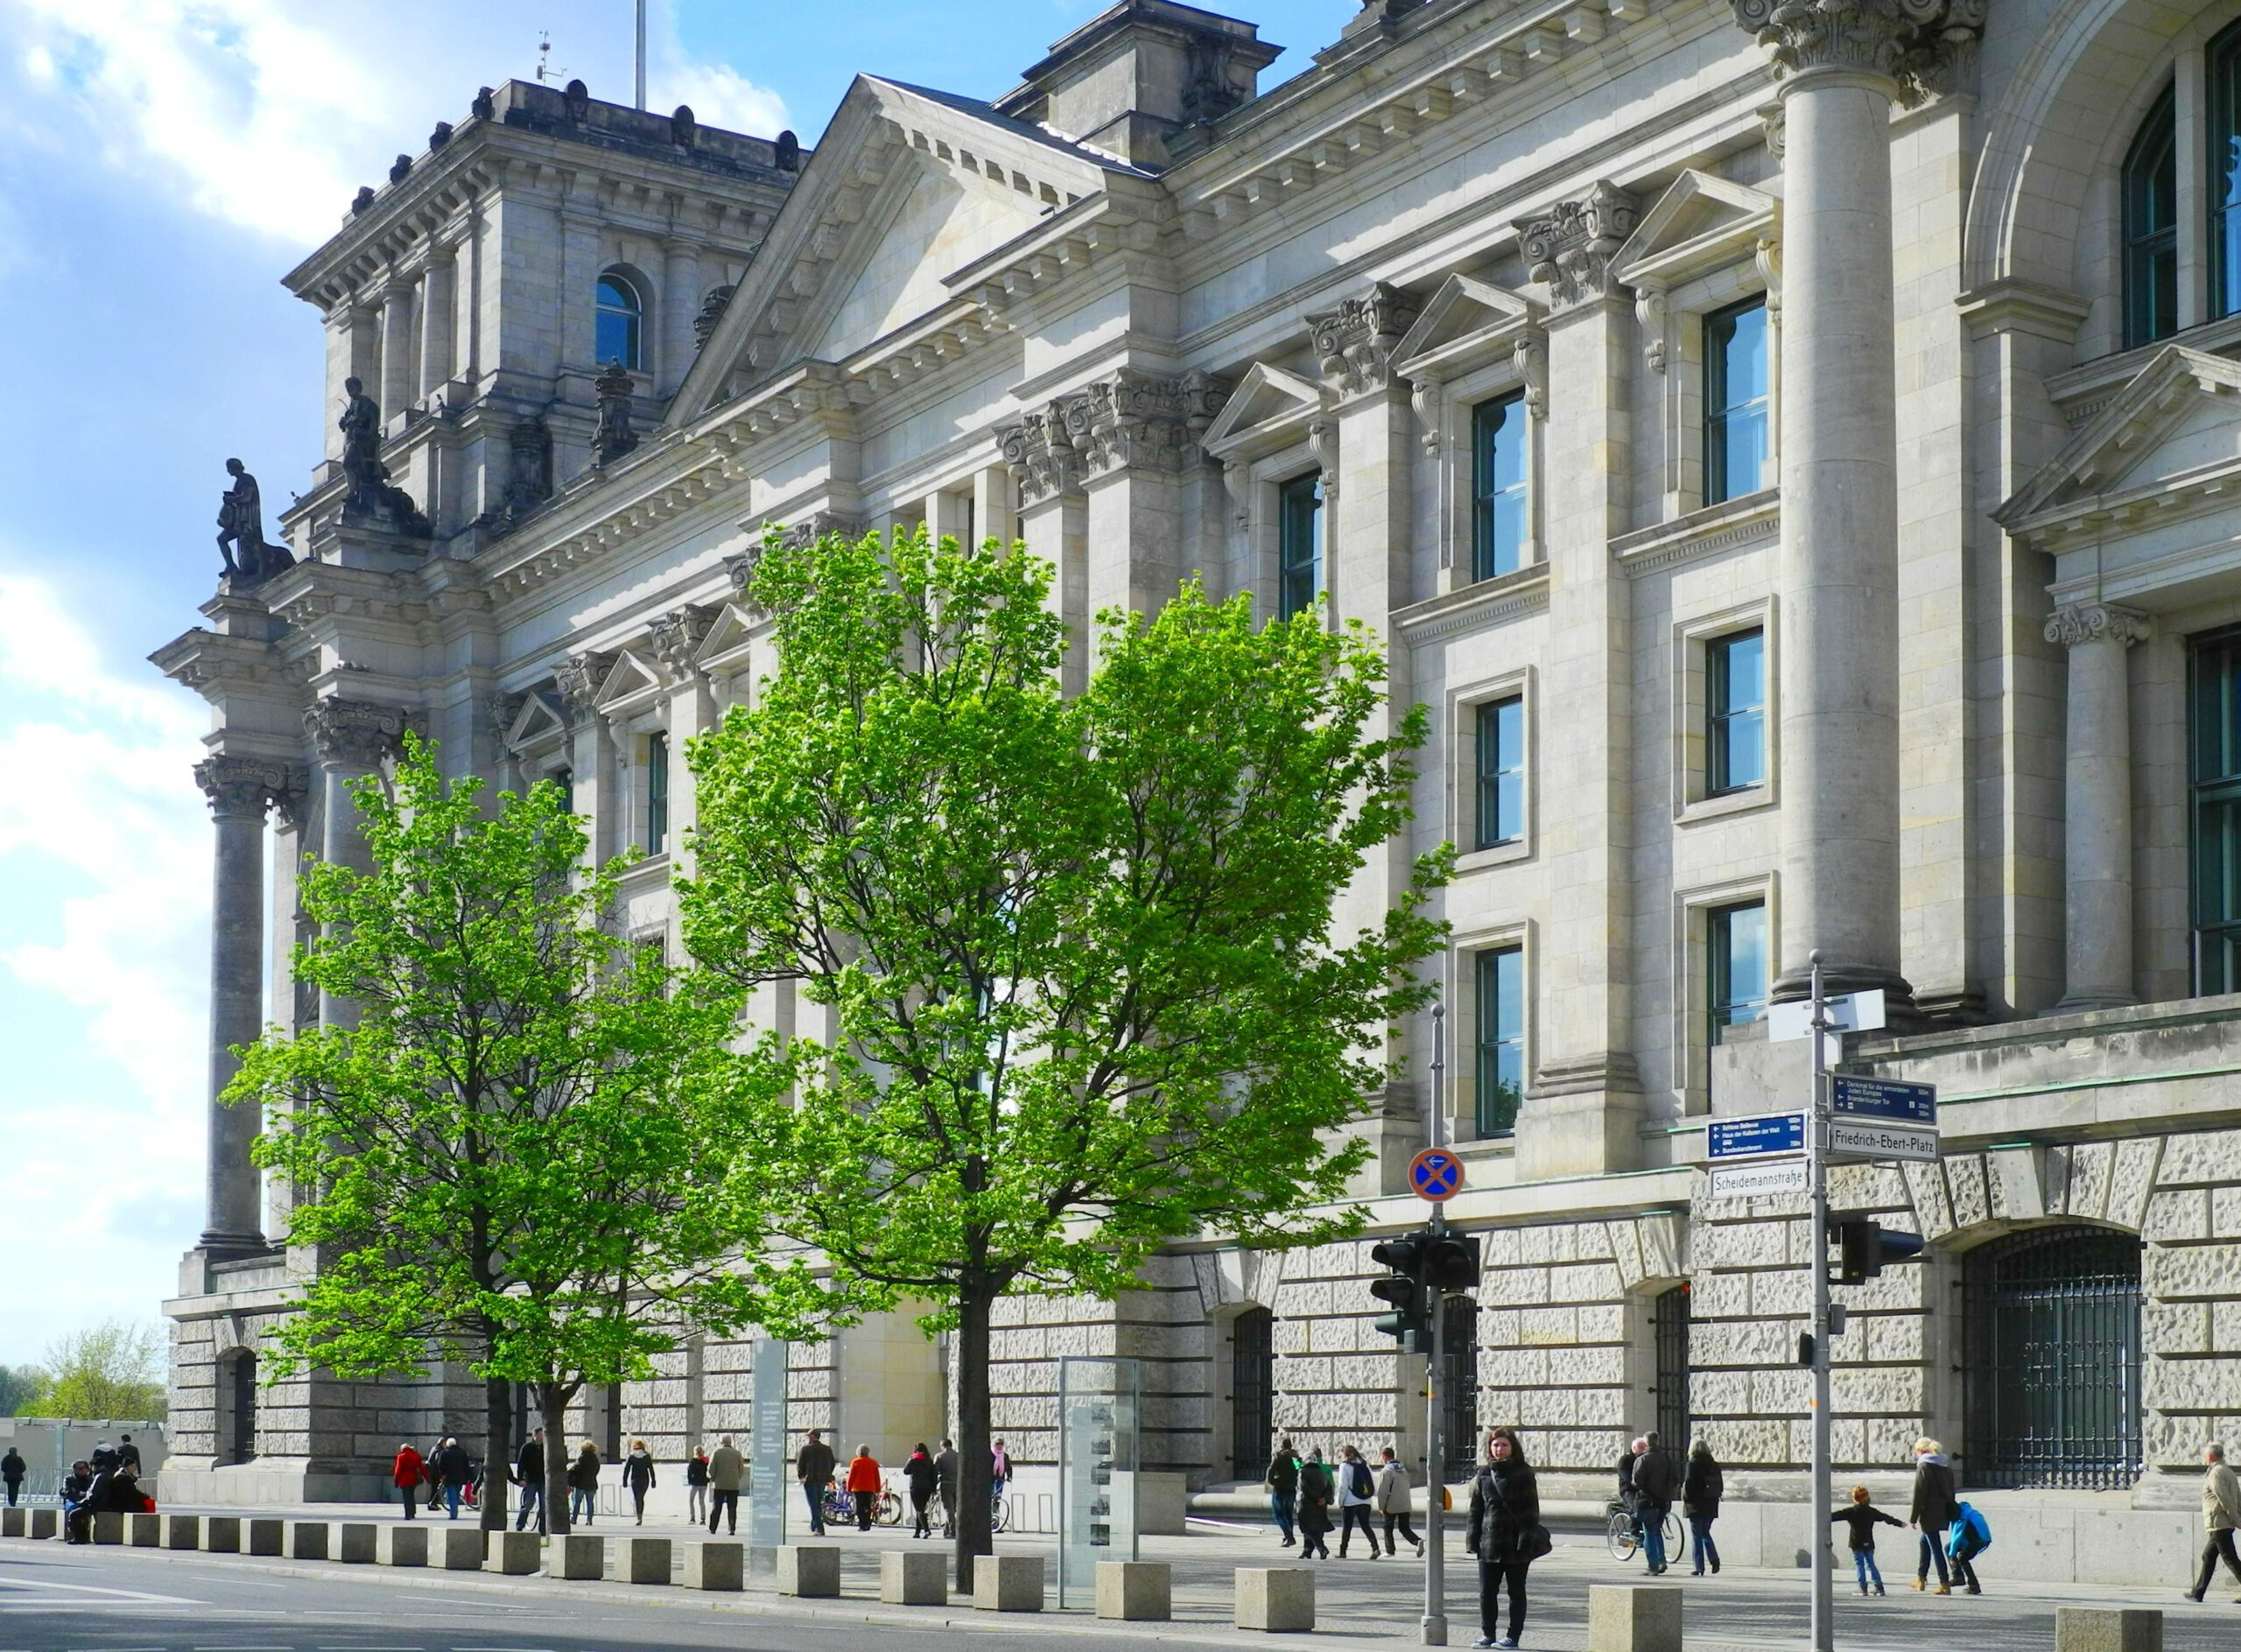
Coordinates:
x,y
1252,1392
1458,1391
1669,1337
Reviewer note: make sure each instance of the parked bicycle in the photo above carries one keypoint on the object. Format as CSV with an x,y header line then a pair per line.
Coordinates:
x,y
840,1507
1624,1534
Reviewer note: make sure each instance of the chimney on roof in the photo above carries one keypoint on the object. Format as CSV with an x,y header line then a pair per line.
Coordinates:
x,y
1134,76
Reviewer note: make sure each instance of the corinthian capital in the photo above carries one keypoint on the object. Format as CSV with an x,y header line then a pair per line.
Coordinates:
x,y
1911,43
243,788
1354,343
358,734
1137,420
2076,622
1040,455
579,678
1570,247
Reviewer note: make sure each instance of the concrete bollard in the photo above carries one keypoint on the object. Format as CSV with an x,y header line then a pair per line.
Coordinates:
x,y
456,1548
915,1576
718,1567
1275,1598
222,1535
264,1535
354,1542
45,1522
2108,1629
517,1554
182,1531
580,1556
15,1522
145,1531
645,1560
1007,1583
1628,1617
307,1540
405,1546
1134,1591
811,1571
107,1526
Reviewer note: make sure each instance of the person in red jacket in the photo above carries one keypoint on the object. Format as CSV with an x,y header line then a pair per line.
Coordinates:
x,y
863,1485
409,1475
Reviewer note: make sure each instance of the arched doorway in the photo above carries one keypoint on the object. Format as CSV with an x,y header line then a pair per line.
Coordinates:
x,y
236,1440
2052,1360
1669,1336
1252,1392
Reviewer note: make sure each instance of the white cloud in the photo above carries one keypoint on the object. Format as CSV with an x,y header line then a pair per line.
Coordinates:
x,y
719,95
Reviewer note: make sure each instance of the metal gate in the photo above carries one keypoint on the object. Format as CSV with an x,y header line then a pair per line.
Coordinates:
x,y
1459,1386
2052,1342
1252,1392
1669,1328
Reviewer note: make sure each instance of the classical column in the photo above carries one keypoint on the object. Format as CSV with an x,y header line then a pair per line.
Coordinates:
x,y
240,790
1843,62
2098,805
439,317
397,346
1054,523
674,308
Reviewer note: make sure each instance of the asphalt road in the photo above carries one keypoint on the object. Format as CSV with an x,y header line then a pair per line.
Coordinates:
x,y
59,1600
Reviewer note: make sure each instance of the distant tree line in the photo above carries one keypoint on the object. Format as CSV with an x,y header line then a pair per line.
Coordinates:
x,y
112,1369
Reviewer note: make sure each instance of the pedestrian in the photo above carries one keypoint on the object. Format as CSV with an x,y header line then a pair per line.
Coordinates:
x,y
1000,1475
863,1486
1931,1511
1356,1497
1504,1530
583,1485
1700,1494
407,1474
813,1468
529,1474
72,1489
1392,1502
1282,1481
455,1470
12,1469
696,1485
428,1460
1968,1536
920,1475
2220,1518
1316,1487
726,1471
128,1454
1653,1482
946,1474
1863,1517
638,1475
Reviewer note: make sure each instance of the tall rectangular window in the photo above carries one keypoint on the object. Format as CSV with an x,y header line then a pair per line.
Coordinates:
x,y
1735,711
2224,173
657,793
1502,1038
1738,972
1498,523
1735,401
2214,739
2151,214
565,779
1501,772
1299,544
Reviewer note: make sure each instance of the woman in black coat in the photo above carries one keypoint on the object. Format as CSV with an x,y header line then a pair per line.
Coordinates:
x,y
1700,1492
1317,1489
920,1475
1505,1518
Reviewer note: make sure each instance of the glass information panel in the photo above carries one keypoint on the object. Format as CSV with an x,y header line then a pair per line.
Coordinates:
x,y
769,1471
1100,1404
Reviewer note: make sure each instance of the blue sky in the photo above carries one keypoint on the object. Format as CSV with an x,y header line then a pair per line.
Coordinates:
x,y
162,164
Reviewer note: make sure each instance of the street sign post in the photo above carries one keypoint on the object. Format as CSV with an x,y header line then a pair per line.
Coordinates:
x,y
1893,1100
1853,1012
1436,1174
1755,1136
1759,1178
1439,1167
1856,1140
1821,1025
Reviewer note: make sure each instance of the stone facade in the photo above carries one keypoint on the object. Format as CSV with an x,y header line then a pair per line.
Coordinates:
x,y
1113,315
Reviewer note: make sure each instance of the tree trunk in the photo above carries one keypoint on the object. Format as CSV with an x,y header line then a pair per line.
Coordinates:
x,y
553,1406
497,1451
976,1304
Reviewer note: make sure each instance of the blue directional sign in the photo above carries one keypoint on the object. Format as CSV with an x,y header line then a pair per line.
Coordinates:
x,y
1436,1174
1892,1098
1760,1134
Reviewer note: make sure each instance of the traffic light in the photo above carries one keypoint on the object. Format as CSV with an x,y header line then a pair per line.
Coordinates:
x,y
1403,1289
1862,1248
1450,1262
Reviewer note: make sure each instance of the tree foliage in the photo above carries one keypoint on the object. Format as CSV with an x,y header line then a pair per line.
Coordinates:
x,y
1078,956
20,1387
510,1155
113,1369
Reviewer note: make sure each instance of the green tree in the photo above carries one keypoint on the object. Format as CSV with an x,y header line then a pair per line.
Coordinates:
x,y
511,1158
1079,953
20,1387
112,1369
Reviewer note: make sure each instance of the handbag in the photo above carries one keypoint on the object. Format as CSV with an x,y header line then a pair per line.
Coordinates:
x,y
1537,1542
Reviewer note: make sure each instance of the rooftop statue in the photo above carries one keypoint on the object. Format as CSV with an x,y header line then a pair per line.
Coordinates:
x,y
370,493
250,560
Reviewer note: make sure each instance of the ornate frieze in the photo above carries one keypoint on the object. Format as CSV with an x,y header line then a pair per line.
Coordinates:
x,y
1133,420
358,734
678,637
579,678
1354,342
806,533
1914,43
243,788
1570,249
1040,456
2076,622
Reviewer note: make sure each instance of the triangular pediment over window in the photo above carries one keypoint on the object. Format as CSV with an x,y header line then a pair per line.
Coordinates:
x,y
1270,408
1700,223
1467,323
2172,432
542,720
632,683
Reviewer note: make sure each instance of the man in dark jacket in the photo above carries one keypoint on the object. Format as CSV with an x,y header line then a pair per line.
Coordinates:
x,y
1282,1481
12,1469
1932,1510
454,1471
529,1474
128,1454
1653,1489
945,1481
814,1467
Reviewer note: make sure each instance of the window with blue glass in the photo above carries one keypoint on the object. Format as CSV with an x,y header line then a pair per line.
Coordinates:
x,y
1735,401
1501,772
565,779
2224,172
1498,521
2151,213
1299,544
1502,1038
1735,705
2213,736
657,793
621,316
1738,975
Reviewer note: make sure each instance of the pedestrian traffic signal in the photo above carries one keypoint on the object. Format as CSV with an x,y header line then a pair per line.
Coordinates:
x,y
1865,1246
1403,1289
1451,1263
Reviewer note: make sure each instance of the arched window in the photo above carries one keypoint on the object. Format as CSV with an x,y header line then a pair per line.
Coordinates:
x,y
621,315
1252,1392
238,1420
2151,192
2053,1360
1669,1331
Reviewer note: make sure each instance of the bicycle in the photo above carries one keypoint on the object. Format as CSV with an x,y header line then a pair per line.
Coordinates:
x,y
1623,1534
840,1507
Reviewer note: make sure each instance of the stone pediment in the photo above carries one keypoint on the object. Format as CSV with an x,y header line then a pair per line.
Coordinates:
x,y
542,720
729,640
1270,408
1467,323
1699,223
632,683
2174,429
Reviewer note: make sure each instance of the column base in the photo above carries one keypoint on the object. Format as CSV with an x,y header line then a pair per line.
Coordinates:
x,y
230,1246
1580,1118
2084,1003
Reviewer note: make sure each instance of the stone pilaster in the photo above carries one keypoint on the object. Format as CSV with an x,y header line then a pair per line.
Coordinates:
x,y
351,739
1134,440
2098,804
439,320
1054,522
1843,62
593,760
397,346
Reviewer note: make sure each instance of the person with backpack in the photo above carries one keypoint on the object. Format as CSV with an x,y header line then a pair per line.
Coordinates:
x,y
2221,1518
1357,1496
1504,1530
1932,1511
1700,1493
920,1475
583,1485
1863,1517
1392,1502
1316,1487
638,1475
1282,1481
696,1485
406,1474
1653,1484
1970,1535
